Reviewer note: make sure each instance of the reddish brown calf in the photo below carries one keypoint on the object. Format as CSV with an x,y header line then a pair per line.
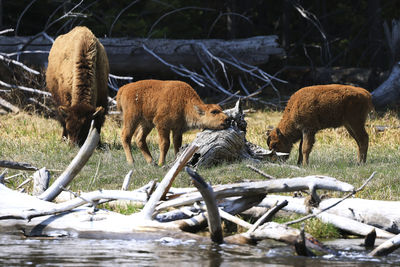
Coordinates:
x,y
167,106
319,107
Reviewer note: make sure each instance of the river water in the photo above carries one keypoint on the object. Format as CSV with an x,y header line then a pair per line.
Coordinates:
x,y
19,251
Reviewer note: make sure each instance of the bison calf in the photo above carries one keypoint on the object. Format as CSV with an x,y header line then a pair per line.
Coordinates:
x,y
77,76
319,107
167,106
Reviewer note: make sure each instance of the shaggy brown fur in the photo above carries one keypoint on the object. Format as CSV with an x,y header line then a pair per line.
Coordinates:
x,y
77,76
319,107
167,106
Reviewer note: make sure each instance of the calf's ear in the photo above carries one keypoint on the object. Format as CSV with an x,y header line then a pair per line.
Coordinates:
x,y
199,110
99,112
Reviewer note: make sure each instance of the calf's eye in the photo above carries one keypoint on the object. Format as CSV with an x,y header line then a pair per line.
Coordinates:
x,y
215,111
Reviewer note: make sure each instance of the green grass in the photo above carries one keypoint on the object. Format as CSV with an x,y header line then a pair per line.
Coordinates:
x,y
37,140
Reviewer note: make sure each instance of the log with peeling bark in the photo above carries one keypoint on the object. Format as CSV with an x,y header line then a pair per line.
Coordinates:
x,y
127,56
228,145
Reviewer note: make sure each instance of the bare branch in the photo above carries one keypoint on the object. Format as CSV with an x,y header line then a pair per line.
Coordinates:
x,y
22,14
23,88
175,11
17,165
19,64
119,14
225,14
6,31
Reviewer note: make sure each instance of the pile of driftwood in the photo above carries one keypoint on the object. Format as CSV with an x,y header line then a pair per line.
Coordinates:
x,y
178,212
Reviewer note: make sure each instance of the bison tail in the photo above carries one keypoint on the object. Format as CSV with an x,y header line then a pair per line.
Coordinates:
x,y
85,67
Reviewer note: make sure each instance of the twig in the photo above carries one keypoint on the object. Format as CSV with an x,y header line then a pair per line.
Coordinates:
x,y
49,110
8,105
174,11
334,204
24,183
17,165
127,180
23,88
268,215
6,31
22,14
260,172
119,14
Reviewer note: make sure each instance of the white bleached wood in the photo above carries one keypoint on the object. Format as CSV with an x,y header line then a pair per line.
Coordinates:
x,y
263,187
386,247
127,180
166,183
41,179
74,167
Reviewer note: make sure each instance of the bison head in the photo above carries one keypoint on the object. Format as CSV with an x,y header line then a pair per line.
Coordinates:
x,y
77,120
277,142
212,117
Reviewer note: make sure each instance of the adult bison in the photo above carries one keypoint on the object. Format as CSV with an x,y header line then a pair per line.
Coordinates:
x,y
314,108
168,106
77,76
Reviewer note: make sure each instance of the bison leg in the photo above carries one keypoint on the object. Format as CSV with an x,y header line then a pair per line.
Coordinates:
x,y
163,142
357,131
308,142
300,159
126,138
140,137
177,135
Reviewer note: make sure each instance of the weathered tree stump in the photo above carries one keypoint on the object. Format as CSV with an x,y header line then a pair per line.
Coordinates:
x,y
227,145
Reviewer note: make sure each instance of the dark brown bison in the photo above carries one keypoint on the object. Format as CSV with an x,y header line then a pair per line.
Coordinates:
x,y
77,76
167,106
319,107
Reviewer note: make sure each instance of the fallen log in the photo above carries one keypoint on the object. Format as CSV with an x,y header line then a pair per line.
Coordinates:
x,y
342,215
123,51
311,183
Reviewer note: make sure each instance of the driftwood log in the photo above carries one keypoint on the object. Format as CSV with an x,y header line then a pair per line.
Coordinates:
x,y
123,51
354,215
79,217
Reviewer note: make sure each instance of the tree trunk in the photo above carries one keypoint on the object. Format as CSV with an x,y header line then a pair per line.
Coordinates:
x,y
127,56
388,93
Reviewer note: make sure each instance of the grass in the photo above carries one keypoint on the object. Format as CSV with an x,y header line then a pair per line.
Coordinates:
x,y
37,140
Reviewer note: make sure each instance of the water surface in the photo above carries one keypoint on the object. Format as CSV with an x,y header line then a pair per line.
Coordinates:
x,y
19,251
